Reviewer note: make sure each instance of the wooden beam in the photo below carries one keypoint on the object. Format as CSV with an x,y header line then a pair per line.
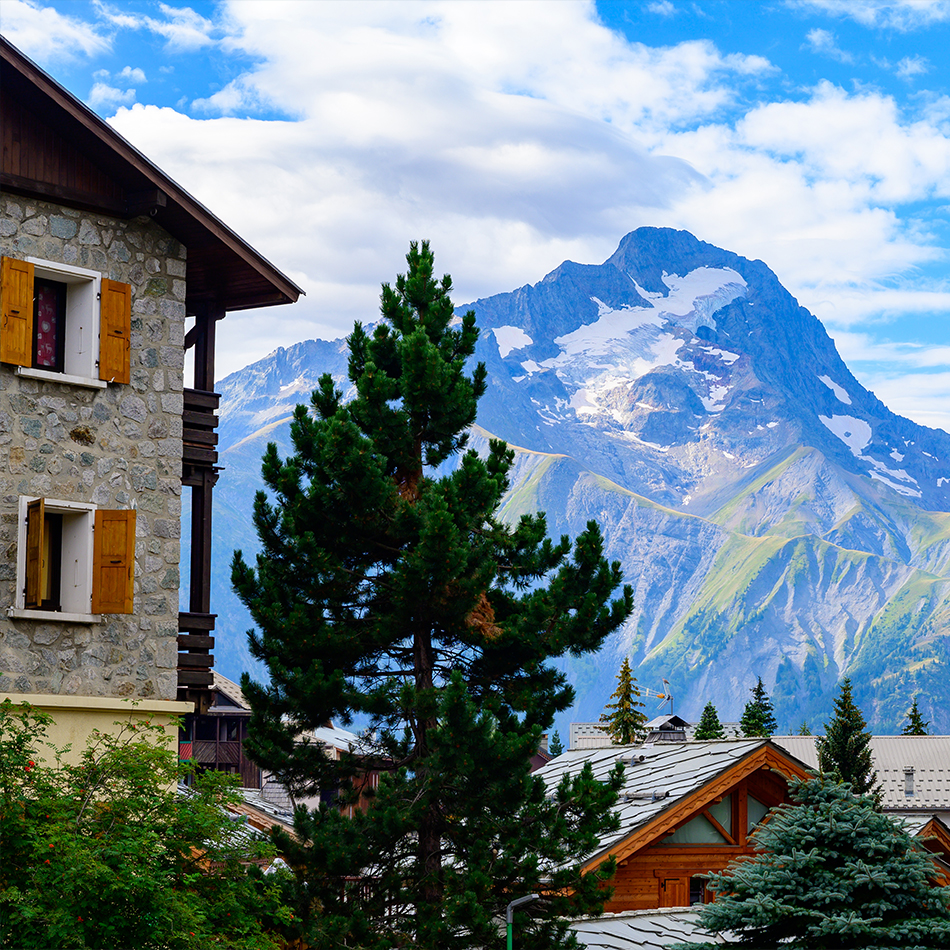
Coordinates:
x,y
62,195
195,677
194,641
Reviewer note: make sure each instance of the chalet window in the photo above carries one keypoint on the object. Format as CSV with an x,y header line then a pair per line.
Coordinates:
x,y
230,730
62,321
73,560
697,890
756,812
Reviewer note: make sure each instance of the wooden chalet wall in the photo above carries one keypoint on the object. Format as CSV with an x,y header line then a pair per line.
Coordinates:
x,y
659,874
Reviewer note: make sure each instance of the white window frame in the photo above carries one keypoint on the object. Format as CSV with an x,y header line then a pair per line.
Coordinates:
x,y
76,563
83,296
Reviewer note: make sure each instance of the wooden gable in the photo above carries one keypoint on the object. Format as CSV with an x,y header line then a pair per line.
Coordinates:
x,y
659,866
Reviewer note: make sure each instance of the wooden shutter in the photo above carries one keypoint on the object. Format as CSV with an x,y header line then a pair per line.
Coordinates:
x,y
113,562
16,330
115,330
35,526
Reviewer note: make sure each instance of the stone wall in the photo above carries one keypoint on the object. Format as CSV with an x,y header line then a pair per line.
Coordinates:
x,y
118,447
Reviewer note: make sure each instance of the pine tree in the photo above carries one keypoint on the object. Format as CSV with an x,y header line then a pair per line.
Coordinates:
x,y
709,725
915,725
803,729
831,872
757,717
556,747
387,591
845,748
625,723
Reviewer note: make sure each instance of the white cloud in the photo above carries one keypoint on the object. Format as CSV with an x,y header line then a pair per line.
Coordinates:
x,y
662,8
911,66
105,98
823,42
517,135
893,14
132,74
182,27
45,34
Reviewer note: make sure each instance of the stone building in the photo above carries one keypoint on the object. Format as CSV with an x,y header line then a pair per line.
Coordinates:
x,y
104,259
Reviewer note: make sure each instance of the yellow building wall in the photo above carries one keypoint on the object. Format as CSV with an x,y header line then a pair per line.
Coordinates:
x,y
75,717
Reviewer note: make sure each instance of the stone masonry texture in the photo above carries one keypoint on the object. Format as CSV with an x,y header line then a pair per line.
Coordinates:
x,y
118,447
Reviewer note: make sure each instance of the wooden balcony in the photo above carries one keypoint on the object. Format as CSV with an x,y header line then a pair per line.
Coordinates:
x,y
199,440
195,644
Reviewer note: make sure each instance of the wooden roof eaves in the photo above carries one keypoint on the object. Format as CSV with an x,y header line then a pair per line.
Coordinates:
x,y
286,290
765,756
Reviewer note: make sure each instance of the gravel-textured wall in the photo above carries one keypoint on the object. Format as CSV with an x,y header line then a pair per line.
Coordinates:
x,y
118,447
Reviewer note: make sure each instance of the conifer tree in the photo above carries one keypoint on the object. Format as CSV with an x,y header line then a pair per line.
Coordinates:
x,y
915,725
845,748
624,724
803,729
556,747
709,725
387,589
757,717
832,873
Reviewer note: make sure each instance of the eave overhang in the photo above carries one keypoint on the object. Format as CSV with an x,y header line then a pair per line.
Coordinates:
x,y
224,271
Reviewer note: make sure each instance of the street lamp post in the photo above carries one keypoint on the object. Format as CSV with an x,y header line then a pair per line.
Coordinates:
x,y
510,914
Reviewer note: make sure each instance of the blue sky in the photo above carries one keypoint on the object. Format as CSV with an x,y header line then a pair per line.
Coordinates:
x,y
812,134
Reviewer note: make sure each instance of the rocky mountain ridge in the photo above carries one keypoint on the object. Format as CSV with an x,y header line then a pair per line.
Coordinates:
x,y
774,517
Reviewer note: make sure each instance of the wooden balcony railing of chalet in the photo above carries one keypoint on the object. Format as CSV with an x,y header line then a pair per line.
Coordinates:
x,y
199,420
195,644
199,473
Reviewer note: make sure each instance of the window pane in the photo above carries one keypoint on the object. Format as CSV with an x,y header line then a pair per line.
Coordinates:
x,y
757,811
49,323
698,831
722,812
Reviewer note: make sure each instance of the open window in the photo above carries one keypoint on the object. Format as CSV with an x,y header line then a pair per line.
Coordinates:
x,y
74,560
64,323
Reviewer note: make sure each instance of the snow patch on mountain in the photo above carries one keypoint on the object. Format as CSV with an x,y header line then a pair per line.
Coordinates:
x,y
855,433
511,338
839,391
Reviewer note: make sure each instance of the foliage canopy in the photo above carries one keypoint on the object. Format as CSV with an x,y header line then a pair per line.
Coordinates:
x,y
845,748
389,593
709,726
832,873
623,719
106,853
758,719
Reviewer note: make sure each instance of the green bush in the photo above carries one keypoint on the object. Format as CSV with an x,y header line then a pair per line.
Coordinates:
x,y
108,853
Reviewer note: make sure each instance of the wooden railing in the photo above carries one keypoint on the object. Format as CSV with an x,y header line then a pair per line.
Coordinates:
x,y
195,644
198,424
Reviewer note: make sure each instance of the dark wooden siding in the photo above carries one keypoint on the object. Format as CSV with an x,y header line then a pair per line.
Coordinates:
x,y
34,151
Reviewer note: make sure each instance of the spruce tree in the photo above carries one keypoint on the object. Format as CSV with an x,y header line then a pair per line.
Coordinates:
x,y
915,725
803,729
625,721
832,873
709,725
845,748
757,717
387,592
556,747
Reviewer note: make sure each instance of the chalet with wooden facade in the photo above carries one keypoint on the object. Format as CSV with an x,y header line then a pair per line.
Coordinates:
x,y
214,737
687,809
104,259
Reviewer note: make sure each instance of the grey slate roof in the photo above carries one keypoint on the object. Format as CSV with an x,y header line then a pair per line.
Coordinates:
x,y
671,771
928,756
643,930
230,689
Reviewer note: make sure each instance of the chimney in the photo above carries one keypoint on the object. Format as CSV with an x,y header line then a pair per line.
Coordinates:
x,y
908,781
